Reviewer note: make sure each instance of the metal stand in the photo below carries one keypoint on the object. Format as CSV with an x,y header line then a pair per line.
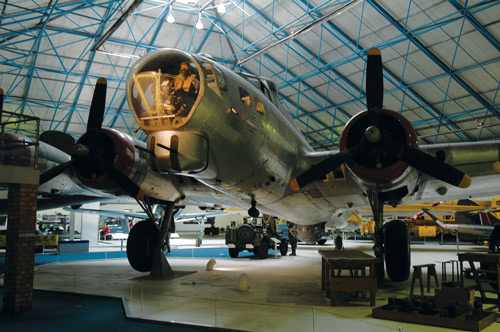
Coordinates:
x,y
377,207
160,269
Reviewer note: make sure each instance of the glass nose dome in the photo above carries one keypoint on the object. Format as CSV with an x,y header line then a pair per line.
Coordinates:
x,y
163,89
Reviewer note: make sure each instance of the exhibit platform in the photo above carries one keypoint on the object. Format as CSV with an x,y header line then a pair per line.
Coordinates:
x,y
284,292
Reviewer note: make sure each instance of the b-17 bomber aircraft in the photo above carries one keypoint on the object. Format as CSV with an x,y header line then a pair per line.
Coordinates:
x,y
217,138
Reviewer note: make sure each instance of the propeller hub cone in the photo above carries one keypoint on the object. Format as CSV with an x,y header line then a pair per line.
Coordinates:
x,y
372,134
80,150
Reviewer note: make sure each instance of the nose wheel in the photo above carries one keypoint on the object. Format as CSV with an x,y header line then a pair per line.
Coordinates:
x,y
141,244
146,246
339,243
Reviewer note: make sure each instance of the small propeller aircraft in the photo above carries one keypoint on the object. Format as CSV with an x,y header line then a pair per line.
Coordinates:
x,y
220,138
487,230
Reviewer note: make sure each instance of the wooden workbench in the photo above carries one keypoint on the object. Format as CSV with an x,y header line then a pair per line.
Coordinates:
x,y
483,268
361,278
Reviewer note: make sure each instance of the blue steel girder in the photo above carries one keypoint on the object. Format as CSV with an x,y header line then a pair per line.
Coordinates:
x,y
279,33
359,51
99,32
475,23
31,71
308,51
433,57
41,30
44,18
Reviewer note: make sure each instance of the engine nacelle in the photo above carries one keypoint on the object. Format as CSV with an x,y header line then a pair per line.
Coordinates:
x,y
374,168
17,150
121,151
91,170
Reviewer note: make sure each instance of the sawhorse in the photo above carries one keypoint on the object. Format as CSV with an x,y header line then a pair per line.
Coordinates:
x,y
417,274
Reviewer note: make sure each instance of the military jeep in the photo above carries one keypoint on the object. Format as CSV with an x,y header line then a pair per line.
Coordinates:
x,y
257,237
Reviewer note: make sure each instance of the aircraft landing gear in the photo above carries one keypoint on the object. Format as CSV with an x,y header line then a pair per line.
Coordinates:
x,y
393,242
160,269
397,250
141,244
147,243
377,207
339,243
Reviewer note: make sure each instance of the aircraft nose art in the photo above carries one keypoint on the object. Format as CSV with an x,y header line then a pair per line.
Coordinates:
x,y
163,89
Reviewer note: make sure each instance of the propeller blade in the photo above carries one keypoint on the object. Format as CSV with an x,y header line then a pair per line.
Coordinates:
x,y
96,114
79,151
324,167
430,165
55,171
124,182
374,85
58,139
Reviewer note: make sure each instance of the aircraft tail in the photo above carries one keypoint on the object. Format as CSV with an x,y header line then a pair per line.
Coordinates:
x,y
492,219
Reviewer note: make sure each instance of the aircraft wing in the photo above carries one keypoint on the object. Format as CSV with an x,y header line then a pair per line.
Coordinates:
x,y
180,216
110,213
196,215
57,202
410,210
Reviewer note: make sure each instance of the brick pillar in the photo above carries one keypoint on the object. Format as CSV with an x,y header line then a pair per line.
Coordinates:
x,y
20,250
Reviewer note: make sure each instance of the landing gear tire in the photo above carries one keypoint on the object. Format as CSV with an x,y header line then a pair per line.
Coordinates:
x,y
283,247
233,252
322,242
141,244
263,250
339,243
397,250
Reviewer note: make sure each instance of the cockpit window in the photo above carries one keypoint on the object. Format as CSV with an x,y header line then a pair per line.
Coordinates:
x,y
259,106
209,74
245,97
220,79
164,100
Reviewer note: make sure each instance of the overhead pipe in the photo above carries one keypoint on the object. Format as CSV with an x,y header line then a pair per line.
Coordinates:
x,y
304,29
116,25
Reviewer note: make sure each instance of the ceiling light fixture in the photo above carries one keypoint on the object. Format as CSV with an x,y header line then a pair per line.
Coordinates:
x,y
199,24
221,8
170,16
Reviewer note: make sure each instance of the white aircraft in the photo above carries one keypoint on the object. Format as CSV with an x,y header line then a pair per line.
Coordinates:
x,y
179,216
221,138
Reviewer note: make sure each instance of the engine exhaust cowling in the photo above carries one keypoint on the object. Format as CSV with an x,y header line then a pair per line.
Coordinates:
x,y
374,167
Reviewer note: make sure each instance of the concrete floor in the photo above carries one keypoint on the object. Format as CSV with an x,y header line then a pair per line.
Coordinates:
x,y
284,293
